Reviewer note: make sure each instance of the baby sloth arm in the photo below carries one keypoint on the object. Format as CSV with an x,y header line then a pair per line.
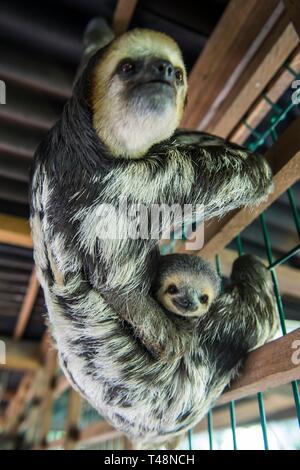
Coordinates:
x,y
160,334
241,319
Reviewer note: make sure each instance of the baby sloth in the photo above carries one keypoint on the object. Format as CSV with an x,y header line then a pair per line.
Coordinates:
x,y
186,285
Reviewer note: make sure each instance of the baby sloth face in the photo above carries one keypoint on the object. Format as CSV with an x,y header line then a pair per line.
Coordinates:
x,y
186,285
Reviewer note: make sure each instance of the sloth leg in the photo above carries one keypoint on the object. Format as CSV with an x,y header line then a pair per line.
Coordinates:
x,y
243,318
255,287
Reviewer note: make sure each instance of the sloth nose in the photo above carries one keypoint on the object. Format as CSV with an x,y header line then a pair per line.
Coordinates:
x,y
186,303
162,70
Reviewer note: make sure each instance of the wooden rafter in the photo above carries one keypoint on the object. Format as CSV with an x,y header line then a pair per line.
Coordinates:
x,y
17,404
27,305
72,421
267,367
48,398
100,431
226,54
22,355
123,14
15,231
280,83
278,46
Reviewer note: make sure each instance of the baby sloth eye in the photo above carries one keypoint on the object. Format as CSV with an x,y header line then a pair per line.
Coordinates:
x,y
127,67
179,75
172,289
204,299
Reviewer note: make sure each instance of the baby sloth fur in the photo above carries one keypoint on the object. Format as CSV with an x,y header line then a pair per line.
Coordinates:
x,y
151,374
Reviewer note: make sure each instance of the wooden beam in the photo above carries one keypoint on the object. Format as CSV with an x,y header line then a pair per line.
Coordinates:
x,y
281,82
226,54
15,231
284,158
100,431
123,14
101,428
48,398
61,386
27,305
293,10
72,421
22,355
268,366
280,43
17,404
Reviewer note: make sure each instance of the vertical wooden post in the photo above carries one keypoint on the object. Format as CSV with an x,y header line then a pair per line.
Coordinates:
x,y
122,15
72,421
47,402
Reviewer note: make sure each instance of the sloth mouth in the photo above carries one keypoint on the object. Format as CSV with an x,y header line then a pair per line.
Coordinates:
x,y
184,310
154,81
162,82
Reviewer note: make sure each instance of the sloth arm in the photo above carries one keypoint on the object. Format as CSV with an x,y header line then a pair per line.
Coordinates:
x,y
243,318
226,176
151,324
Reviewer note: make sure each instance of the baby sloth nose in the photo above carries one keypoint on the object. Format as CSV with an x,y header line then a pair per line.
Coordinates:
x,y
187,303
162,70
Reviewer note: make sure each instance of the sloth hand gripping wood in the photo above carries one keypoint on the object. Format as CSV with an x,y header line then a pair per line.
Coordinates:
x,y
117,140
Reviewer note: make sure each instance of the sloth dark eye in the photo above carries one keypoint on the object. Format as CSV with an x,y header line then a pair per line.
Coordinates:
x,y
204,299
179,75
126,67
172,289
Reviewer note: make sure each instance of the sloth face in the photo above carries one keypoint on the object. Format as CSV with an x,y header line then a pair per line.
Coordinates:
x,y
138,92
186,294
150,84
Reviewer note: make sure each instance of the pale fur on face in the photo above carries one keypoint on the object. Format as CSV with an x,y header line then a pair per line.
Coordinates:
x,y
201,284
125,130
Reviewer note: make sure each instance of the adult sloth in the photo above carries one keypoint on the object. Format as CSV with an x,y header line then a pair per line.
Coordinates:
x,y
144,371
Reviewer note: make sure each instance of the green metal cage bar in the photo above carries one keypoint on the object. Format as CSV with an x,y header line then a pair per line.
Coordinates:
x,y
210,429
263,421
